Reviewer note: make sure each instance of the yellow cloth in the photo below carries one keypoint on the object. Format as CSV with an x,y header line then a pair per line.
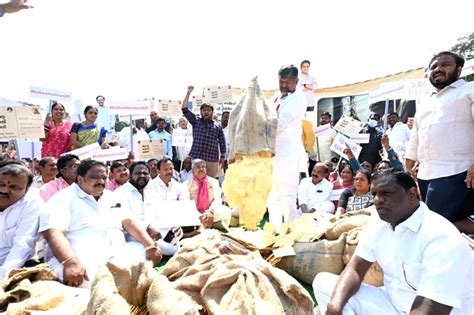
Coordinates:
x,y
308,135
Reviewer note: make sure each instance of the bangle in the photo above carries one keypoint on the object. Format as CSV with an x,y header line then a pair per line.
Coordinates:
x,y
68,260
151,246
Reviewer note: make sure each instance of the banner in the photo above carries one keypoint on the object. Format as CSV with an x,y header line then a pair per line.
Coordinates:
x,y
468,68
149,149
169,108
85,152
129,108
112,154
387,91
28,149
23,122
339,145
323,130
348,125
172,213
50,94
360,138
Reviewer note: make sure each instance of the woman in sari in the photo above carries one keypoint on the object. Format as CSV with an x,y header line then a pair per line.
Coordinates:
x,y
57,132
88,132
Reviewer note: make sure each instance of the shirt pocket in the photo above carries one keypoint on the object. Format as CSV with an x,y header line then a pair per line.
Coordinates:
x,y
8,236
411,274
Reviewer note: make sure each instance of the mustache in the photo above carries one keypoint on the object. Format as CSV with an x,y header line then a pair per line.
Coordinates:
x,y
5,195
99,185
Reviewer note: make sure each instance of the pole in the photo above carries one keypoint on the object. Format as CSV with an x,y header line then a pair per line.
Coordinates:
x,y
131,133
385,118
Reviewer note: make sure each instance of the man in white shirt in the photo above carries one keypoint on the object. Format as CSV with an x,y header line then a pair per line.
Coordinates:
x,y
398,134
427,265
442,138
134,197
105,118
48,171
84,227
139,134
19,217
314,193
183,131
186,173
322,147
307,84
290,105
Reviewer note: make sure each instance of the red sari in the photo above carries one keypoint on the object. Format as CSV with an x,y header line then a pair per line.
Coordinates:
x,y
58,140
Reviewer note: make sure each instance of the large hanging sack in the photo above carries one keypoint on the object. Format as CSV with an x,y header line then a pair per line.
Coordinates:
x,y
314,257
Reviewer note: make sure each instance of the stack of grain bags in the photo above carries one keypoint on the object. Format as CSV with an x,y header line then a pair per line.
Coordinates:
x,y
332,252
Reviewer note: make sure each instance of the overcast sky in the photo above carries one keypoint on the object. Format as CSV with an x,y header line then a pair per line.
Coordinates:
x,y
129,50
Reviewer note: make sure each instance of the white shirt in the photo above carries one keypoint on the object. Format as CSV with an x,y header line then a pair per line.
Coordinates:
x,y
131,201
37,182
19,232
185,175
425,255
182,152
314,195
311,82
442,134
174,190
105,118
227,143
124,140
399,133
93,228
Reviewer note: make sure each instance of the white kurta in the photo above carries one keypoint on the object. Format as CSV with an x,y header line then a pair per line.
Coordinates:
x,y
286,163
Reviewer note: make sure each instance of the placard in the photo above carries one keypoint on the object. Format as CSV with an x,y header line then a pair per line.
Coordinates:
x,y
323,130
212,94
129,108
50,94
179,139
348,125
172,213
198,100
360,138
339,145
169,108
28,149
21,122
225,93
149,149
85,152
112,154
416,89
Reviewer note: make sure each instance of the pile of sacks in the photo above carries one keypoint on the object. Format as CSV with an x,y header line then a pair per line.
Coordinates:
x,y
198,278
333,252
36,290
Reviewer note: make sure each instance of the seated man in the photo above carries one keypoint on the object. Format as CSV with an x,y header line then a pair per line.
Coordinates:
x,y
133,197
120,175
427,265
205,191
84,227
314,193
67,173
19,217
186,173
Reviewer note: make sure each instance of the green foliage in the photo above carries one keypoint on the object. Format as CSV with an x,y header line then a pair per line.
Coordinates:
x,y
465,47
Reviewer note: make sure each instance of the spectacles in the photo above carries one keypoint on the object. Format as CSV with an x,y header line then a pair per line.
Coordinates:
x,y
73,166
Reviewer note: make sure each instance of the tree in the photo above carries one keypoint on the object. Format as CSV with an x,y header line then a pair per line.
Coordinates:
x,y
465,47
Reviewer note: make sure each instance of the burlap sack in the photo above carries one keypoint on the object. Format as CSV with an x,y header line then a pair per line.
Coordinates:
x,y
315,257
240,287
252,125
345,224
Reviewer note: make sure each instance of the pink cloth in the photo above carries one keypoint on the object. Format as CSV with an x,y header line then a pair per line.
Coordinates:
x,y
112,185
49,189
203,194
58,140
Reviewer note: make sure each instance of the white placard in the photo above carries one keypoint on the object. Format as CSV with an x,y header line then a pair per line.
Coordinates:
x,y
468,68
21,122
180,140
112,154
85,152
323,130
28,149
198,100
225,93
172,213
339,145
212,94
348,125
149,149
50,94
169,108
129,108
416,89
360,138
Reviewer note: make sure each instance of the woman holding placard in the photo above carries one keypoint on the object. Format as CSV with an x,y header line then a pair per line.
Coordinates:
x,y
88,131
57,132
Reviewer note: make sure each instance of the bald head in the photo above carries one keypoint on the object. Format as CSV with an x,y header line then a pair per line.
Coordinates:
x,y
320,171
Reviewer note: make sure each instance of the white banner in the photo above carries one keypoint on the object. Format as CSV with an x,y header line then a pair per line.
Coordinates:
x,y
468,68
348,125
360,138
339,145
112,154
50,94
21,122
387,91
169,108
129,108
172,213
85,152
323,130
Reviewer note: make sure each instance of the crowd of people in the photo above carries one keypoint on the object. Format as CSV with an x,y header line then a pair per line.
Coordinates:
x,y
76,214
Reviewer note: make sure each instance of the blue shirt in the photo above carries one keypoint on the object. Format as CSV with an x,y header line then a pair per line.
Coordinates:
x,y
166,138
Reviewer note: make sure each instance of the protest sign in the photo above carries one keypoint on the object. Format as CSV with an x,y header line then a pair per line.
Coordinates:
x,y
225,93
323,130
129,108
360,137
85,152
348,125
50,94
468,68
416,89
112,154
339,145
169,108
149,149
172,213
212,94
387,91
28,149
198,100
21,122
179,139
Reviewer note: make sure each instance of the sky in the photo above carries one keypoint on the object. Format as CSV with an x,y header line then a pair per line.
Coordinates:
x,y
130,50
